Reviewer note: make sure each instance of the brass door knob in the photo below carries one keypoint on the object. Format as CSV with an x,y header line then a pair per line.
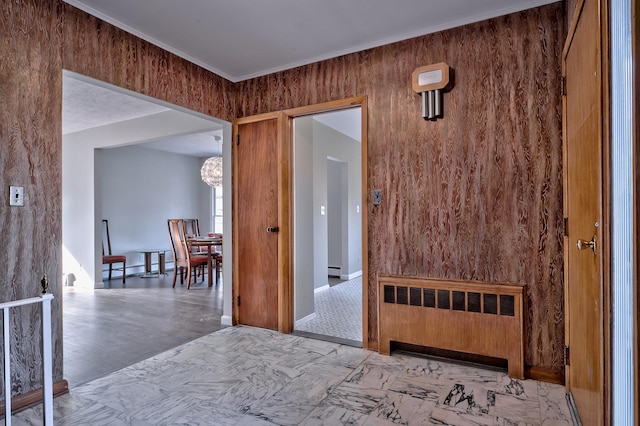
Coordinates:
x,y
582,244
272,229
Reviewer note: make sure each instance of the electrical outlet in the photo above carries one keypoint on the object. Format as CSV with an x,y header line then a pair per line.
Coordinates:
x,y
16,195
377,196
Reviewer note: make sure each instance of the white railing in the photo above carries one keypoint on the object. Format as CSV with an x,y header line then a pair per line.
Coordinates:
x,y
47,370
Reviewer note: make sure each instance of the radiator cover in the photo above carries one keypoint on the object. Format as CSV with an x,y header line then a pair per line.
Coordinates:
x,y
466,316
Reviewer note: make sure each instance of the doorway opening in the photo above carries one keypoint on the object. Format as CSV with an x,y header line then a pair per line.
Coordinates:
x,y
328,233
135,171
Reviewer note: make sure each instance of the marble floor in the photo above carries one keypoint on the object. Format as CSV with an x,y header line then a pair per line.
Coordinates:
x,y
338,311
249,376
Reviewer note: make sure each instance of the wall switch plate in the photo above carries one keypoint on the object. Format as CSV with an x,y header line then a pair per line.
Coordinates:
x,y
377,196
16,195
321,210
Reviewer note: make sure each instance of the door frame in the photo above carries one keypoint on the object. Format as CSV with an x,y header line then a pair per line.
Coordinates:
x,y
332,106
354,102
605,243
285,211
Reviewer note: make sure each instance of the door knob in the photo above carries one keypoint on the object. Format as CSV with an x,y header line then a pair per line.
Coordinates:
x,y
272,229
582,244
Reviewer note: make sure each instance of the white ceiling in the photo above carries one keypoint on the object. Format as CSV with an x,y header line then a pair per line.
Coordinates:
x,y
241,39
86,105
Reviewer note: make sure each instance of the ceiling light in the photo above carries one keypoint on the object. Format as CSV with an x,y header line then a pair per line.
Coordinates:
x,y
211,171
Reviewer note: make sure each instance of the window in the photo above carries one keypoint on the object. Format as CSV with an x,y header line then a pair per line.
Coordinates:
x,y
216,209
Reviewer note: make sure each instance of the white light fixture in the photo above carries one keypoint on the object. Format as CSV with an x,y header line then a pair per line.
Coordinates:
x,y
430,81
211,171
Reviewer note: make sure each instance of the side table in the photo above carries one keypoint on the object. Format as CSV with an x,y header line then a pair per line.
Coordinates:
x,y
148,262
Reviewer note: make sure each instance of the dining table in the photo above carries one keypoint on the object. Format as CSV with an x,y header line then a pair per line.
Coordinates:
x,y
208,243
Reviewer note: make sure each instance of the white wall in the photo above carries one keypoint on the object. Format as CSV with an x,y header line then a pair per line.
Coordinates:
x,y
336,188
314,144
227,263
303,218
81,186
320,198
141,188
329,143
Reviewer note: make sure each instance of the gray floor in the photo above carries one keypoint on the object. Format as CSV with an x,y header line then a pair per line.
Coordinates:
x,y
112,328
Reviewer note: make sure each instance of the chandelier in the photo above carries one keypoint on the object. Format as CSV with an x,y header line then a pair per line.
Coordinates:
x,y
211,171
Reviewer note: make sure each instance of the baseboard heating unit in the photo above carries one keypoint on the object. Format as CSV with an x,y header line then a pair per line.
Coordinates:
x,y
473,317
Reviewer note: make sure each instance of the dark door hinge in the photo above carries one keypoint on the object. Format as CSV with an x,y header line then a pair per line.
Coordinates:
x,y
237,139
238,300
563,86
566,226
566,355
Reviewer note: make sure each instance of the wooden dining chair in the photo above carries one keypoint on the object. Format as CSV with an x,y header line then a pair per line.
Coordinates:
x,y
183,259
217,255
109,258
191,227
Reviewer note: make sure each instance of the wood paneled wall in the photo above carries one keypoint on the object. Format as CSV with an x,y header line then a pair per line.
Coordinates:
x,y
104,52
476,195
38,39
30,128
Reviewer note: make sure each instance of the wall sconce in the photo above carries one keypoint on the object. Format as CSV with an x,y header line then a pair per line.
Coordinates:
x,y
431,81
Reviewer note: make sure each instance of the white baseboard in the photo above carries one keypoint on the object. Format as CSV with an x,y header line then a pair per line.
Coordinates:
x,y
226,320
305,319
351,276
333,271
319,289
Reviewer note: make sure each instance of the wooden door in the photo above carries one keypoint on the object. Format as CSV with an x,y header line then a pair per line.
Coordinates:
x,y
256,222
583,168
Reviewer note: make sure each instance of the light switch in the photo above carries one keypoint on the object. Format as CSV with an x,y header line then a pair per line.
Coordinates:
x,y
321,210
377,196
16,195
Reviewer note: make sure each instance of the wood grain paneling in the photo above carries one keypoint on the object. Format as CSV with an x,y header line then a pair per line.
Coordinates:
x,y
104,52
30,138
38,39
476,195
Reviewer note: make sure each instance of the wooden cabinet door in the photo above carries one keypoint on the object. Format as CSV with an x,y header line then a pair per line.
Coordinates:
x,y
583,142
256,221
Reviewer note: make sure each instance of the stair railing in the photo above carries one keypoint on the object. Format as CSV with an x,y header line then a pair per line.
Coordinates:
x,y
47,370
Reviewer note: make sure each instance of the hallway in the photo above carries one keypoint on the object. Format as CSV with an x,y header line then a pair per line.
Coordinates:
x,y
338,313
